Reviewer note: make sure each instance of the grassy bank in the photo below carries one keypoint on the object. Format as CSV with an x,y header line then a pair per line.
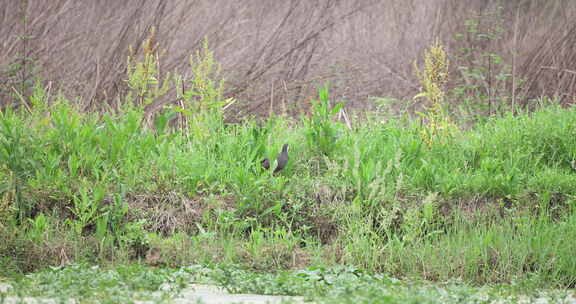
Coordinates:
x,y
490,204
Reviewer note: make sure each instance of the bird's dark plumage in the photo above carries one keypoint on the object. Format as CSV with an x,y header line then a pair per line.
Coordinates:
x,y
266,164
281,160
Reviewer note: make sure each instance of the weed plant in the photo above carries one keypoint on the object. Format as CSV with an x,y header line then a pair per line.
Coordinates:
x,y
491,204
93,284
318,284
385,201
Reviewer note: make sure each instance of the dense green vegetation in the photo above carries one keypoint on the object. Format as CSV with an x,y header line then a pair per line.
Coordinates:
x,y
494,203
488,204
125,284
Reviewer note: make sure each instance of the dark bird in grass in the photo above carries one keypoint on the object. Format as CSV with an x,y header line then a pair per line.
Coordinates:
x,y
281,160
266,164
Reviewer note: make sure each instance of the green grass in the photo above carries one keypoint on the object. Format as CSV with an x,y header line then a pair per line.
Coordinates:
x,y
125,284
352,285
491,204
93,284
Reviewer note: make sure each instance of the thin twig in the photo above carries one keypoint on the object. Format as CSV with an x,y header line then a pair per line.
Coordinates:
x,y
270,111
344,115
558,69
22,100
284,99
514,54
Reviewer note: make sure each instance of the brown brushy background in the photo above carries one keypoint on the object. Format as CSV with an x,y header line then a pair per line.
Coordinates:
x,y
274,53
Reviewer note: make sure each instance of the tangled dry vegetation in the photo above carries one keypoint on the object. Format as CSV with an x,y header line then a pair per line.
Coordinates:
x,y
274,53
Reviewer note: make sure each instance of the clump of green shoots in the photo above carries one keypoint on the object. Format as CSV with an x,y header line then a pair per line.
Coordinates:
x,y
144,78
433,80
202,102
321,130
